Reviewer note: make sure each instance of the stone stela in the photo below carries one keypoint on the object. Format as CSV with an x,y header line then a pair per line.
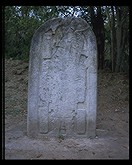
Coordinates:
x,y
62,89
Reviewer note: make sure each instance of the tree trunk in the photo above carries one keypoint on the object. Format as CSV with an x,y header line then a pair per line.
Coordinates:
x,y
98,28
119,37
113,40
101,38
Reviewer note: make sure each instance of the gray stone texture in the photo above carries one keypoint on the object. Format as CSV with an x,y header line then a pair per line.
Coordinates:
x,y
62,91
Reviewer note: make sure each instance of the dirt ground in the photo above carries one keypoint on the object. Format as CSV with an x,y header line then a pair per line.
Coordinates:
x,y
112,132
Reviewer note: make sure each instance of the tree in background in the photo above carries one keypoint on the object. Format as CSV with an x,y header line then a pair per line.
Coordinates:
x,y
122,36
109,23
98,28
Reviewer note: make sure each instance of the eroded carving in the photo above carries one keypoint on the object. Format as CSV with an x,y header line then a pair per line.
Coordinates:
x,y
64,64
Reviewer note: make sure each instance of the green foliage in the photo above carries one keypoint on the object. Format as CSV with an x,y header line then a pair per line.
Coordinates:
x,y
21,22
20,25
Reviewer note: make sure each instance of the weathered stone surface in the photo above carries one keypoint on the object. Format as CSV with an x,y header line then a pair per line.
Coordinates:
x,y
62,80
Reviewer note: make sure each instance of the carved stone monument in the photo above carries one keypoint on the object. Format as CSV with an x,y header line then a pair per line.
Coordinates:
x,y
62,91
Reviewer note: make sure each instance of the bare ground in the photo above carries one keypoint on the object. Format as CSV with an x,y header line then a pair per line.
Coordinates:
x,y
112,139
